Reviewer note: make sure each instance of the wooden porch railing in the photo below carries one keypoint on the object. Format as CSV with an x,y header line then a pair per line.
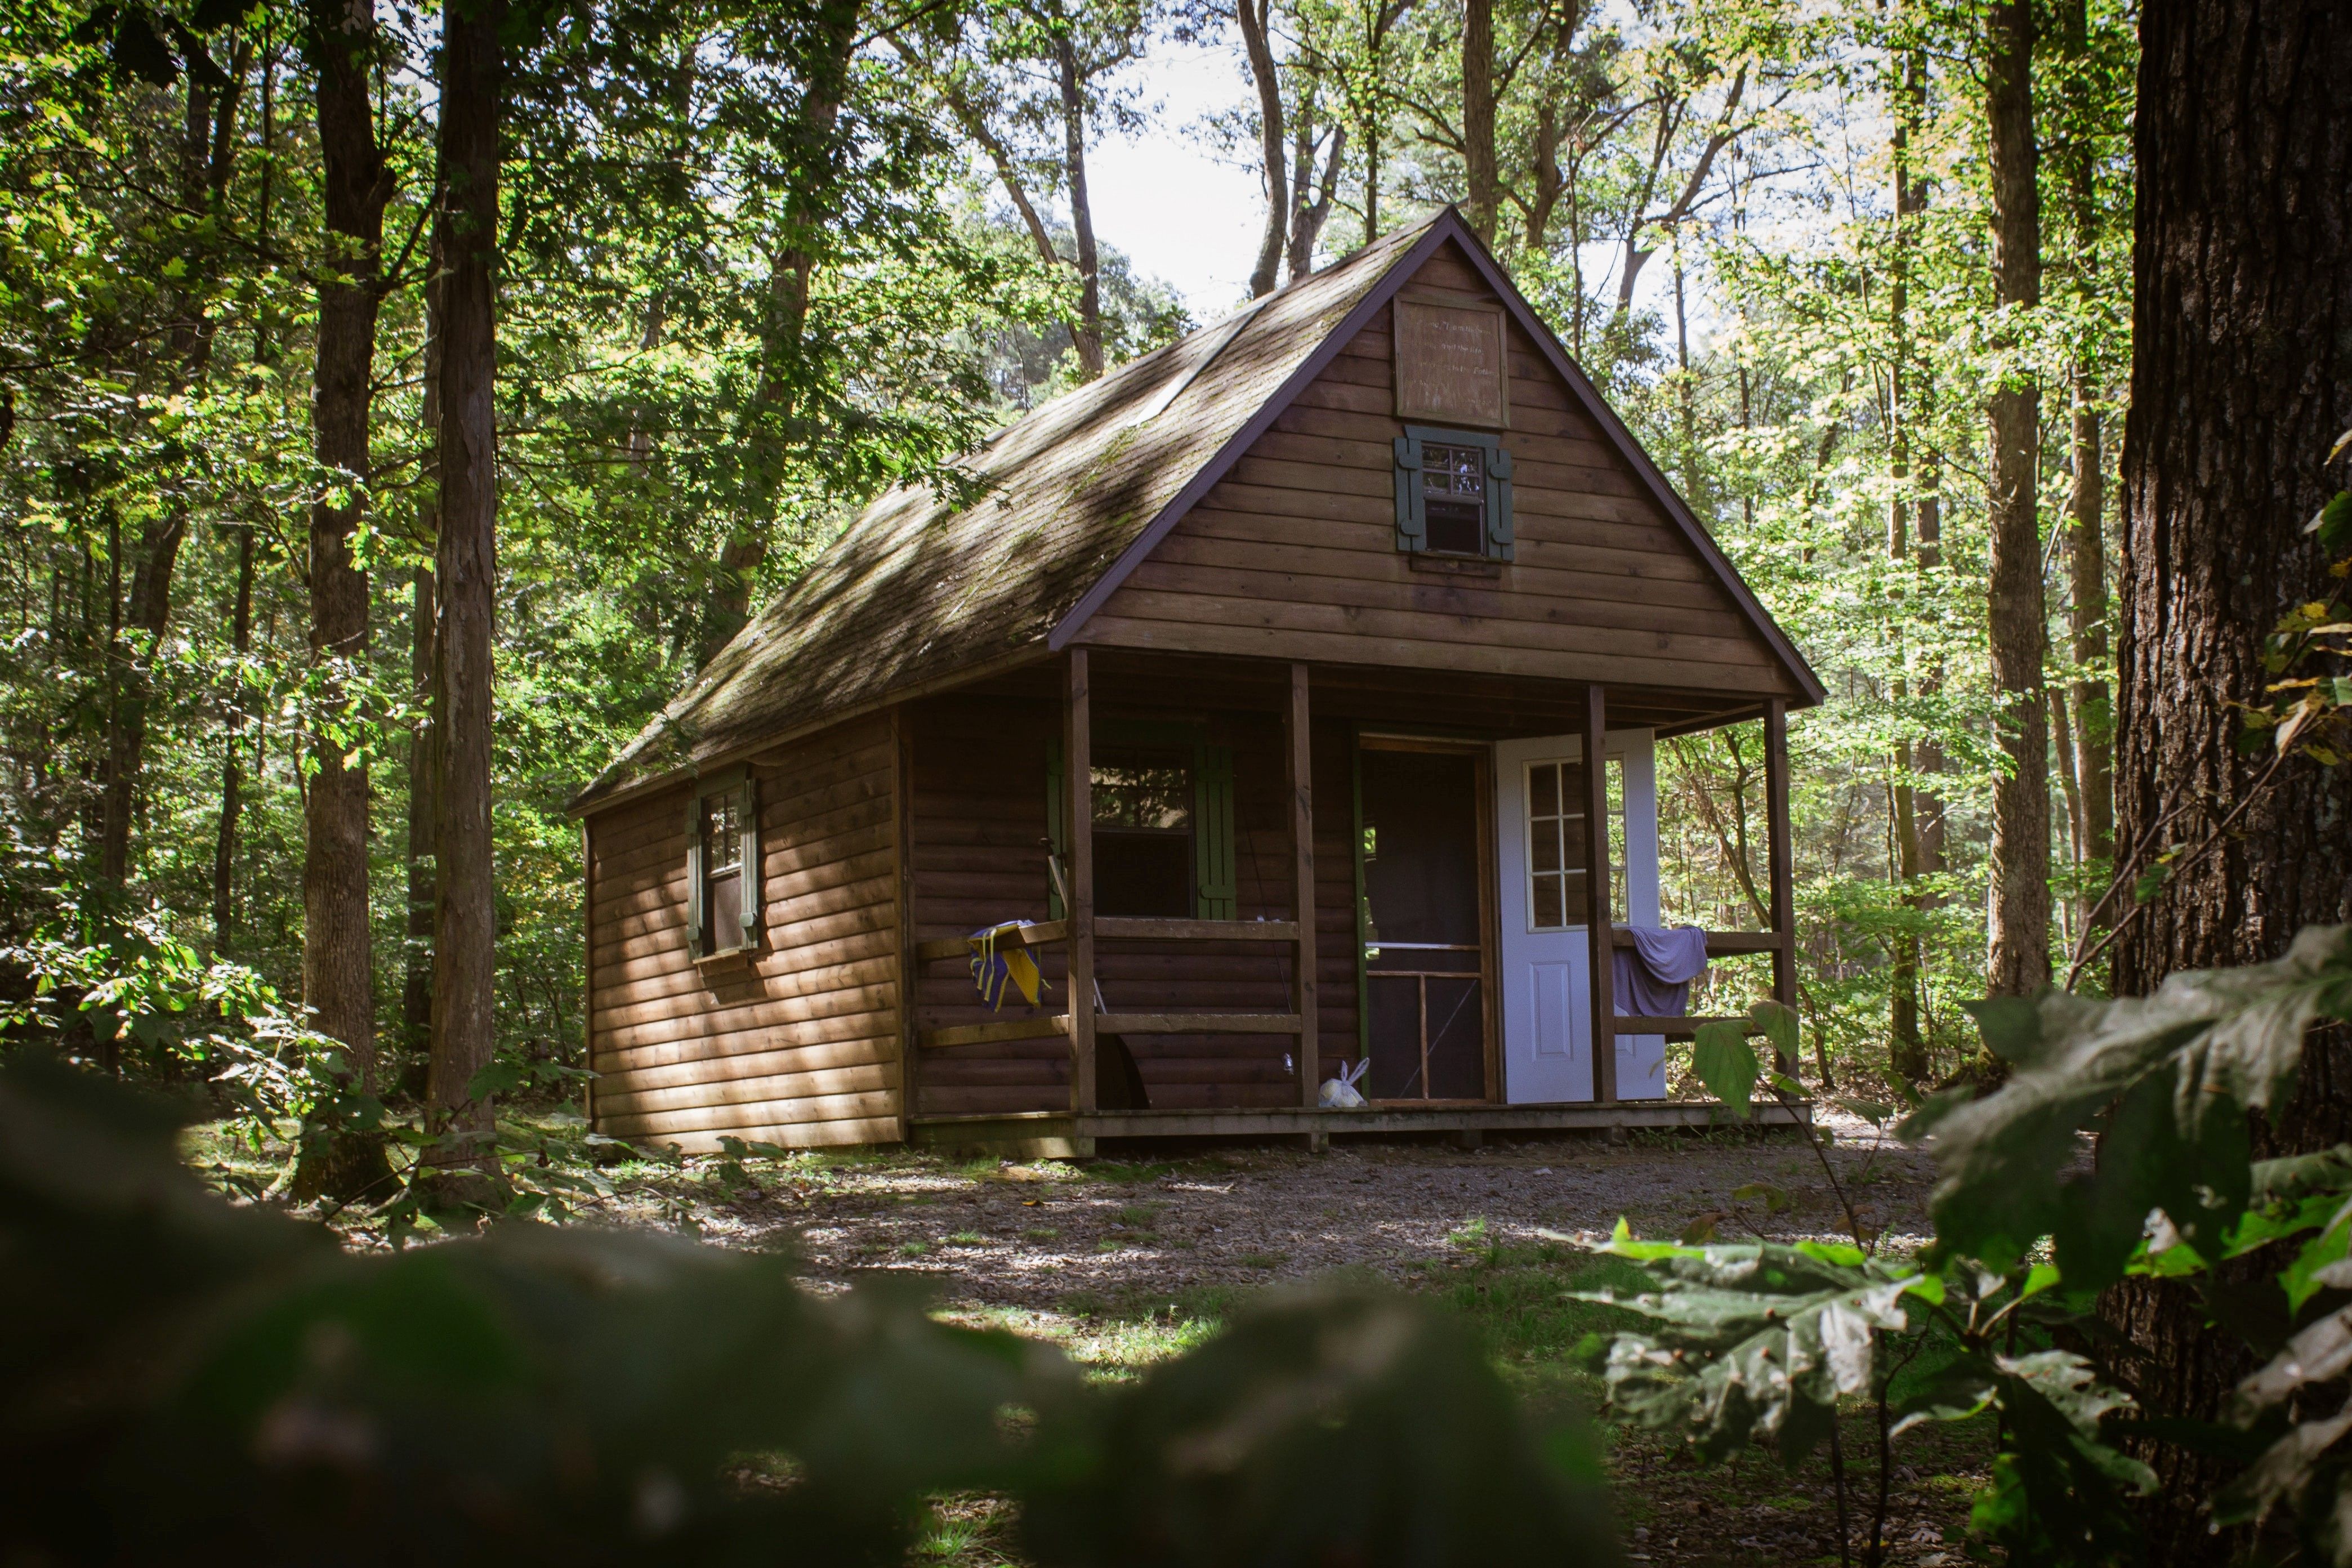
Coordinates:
x,y
1080,928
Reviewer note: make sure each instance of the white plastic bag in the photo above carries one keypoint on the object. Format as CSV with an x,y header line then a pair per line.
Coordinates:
x,y
1340,1094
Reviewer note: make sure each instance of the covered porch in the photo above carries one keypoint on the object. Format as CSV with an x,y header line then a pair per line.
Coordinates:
x,y
1259,904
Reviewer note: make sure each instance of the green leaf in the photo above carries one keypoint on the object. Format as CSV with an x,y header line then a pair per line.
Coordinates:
x,y
2185,1063
1754,1341
496,1077
1726,1064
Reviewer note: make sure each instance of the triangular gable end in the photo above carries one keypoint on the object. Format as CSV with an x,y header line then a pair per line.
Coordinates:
x,y
1280,536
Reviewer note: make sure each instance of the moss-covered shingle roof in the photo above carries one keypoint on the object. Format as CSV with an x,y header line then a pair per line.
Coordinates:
x,y
916,590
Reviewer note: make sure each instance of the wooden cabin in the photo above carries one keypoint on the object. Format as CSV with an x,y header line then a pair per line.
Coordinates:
x,y
1281,650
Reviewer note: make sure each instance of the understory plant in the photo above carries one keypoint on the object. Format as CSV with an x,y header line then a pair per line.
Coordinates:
x,y
2120,1146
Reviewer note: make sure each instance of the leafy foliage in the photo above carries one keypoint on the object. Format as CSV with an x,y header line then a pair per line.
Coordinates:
x,y
1758,1343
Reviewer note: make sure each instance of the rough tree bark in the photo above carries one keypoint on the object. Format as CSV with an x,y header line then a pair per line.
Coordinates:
x,y
1479,161
2242,378
2020,801
338,967
465,937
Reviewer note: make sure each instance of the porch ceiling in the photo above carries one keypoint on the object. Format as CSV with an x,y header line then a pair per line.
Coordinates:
x,y
1436,702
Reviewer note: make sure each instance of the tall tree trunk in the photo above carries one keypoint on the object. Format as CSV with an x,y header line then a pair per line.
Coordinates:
x,y
2020,801
1258,46
207,159
2086,503
1906,1043
1082,211
465,933
2242,378
416,954
783,369
338,966
1479,163
232,803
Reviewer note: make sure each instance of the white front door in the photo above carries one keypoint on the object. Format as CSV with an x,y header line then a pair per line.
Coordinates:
x,y
1539,839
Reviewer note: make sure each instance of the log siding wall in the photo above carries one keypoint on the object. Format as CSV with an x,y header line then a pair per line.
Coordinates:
x,y
797,1043
1293,555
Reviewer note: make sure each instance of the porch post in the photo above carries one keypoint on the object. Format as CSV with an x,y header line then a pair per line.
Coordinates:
x,y
1302,841
1783,863
1599,935
1077,769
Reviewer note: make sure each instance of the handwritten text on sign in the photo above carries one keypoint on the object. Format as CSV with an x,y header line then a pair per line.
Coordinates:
x,y
1450,363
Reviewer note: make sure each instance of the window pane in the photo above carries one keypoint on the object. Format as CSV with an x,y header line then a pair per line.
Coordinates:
x,y
1543,783
1549,905
1571,833
1455,528
1452,471
1153,793
1571,789
723,832
1147,875
724,917
1543,844
1571,892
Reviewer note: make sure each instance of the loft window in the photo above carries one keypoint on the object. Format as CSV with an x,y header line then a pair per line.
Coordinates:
x,y
1556,844
1453,493
723,866
1143,834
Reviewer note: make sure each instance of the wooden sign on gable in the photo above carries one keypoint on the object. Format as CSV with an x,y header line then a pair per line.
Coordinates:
x,y
1453,364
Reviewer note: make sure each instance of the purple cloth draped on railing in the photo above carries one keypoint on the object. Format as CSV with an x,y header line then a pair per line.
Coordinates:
x,y
1654,976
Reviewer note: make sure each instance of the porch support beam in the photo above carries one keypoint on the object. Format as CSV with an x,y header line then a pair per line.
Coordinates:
x,y
1782,857
1300,753
1078,771
1601,943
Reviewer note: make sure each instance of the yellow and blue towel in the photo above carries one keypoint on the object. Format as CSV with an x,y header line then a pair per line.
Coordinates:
x,y
992,972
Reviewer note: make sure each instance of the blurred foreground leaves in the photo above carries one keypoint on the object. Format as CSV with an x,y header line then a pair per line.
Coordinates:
x,y
181,1378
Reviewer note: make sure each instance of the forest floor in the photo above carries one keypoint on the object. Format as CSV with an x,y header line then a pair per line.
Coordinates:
x,y
1125,1261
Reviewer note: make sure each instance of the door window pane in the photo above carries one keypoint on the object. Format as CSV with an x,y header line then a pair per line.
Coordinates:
x,y
1556,844
1143,835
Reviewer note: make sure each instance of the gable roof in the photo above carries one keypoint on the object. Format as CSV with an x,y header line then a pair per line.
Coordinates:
x,y
917,594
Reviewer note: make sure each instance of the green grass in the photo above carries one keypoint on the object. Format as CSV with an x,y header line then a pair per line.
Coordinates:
x,y
967,1239
1263,1259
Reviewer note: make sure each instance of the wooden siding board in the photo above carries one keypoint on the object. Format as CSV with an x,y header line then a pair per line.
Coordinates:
x,y
803,1031
1318,487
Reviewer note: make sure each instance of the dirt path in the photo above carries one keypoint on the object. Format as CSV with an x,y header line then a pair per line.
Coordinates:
x,y
1124,1262
1006,1235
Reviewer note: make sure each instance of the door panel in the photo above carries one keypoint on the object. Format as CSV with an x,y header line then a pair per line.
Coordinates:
x,y
1425,961
1542,958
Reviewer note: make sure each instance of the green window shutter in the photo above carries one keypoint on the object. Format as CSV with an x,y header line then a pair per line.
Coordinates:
x,y
1499,537
694,876
1412,529
1057,804
1214,895
750,883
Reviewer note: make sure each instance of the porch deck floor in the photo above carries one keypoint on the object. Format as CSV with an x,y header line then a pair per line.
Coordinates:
x,y
1068,1131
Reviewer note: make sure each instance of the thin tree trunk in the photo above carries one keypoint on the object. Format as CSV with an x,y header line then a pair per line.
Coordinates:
x,y
2019,869
2241,379
465,935
1478,157
783,369
1258,46
416,955
232,804
1081,213
338,967
2086,503
1906,1045
206,151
